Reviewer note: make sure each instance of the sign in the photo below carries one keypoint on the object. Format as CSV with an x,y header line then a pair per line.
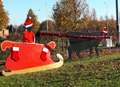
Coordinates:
x,y
109,42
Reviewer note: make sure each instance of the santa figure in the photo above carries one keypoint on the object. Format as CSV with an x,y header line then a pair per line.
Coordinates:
x,y
28,35
105,30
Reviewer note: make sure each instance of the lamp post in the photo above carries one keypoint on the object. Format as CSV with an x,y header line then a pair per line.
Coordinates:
x,y
47,25
46,5
106,6
117,23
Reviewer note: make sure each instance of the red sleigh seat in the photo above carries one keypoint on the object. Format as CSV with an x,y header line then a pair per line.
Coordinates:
x,y
26,55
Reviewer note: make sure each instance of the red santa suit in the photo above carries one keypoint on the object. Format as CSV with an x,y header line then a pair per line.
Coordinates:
x,y
28,35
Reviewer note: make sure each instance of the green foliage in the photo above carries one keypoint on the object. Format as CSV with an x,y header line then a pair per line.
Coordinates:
x,y
84,44
88,72
1,39
3,55
15,36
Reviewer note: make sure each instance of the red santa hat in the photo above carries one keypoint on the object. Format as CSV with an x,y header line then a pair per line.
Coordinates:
x,y
105,30
28,23
51,44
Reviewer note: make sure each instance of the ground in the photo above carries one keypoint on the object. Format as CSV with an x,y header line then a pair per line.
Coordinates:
x,y
103,71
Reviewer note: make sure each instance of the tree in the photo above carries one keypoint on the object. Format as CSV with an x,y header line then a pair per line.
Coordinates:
x,y
36,23
92,20
112,28
67,14
3,17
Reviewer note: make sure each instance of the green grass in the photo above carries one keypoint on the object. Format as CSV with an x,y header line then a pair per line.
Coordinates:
x,y
101,71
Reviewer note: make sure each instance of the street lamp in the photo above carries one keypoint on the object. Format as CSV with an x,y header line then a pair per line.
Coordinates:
x,y
46,5
47,25
117,22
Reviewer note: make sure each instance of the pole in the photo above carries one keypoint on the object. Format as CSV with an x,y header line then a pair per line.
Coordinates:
x,y
117,23
46,5
47,25
106,6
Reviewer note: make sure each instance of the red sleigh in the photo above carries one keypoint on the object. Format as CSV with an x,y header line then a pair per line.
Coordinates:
x,y
29,57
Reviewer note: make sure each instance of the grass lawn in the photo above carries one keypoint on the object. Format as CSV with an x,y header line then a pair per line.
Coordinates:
x,y
101,71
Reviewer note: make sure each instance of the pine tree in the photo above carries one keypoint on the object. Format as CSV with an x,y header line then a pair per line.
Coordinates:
x,y
36,23
3,17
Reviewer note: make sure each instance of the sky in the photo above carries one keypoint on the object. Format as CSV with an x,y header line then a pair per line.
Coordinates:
x,y
18,9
